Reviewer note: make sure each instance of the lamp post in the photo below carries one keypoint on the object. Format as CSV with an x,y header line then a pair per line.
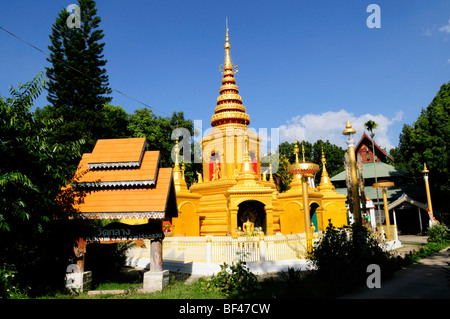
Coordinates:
x,y
425,171
427,188
384,185
353,173
304,169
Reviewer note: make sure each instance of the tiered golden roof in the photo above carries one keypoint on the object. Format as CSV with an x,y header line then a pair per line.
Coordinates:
x,y
229,109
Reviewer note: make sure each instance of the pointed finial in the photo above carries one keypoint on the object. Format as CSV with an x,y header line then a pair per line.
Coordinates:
x,y
296,150
176,150
303,151
324,160
228,65
425,169
247,145
348,129
183,169
247,169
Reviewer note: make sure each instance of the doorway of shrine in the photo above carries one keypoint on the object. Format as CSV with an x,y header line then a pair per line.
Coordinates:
x,y
313,215
253,211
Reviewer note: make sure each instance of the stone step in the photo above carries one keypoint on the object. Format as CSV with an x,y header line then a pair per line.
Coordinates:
x,y
106,292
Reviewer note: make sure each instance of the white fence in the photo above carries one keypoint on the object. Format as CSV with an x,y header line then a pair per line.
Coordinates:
x,y
220,249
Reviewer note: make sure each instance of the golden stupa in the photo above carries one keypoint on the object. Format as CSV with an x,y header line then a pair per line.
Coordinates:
x,y
231,191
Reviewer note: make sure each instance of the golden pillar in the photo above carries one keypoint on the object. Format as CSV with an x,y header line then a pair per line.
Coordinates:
x,y
353,172
269,219
427,188
384,185
232,219
304,169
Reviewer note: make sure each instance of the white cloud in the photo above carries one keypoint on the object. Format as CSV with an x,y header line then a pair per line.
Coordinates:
x,y
445,28
329,126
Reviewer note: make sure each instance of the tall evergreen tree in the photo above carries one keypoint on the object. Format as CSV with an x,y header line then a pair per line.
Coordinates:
x,y
77,80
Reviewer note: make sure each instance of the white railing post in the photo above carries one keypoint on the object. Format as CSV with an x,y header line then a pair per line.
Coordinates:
x,y
262,248
208,249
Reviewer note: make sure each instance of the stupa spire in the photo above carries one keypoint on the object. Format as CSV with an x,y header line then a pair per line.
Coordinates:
x,y
247,175
325,182
228,65
229,110
178,174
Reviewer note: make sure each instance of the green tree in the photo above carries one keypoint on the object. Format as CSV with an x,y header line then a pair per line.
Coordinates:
x,y
32,172
313,152
115,124
334,156
427,141
77,80
158,132
282,177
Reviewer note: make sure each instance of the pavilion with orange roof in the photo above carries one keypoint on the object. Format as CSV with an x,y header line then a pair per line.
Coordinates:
x,y
121,180
125,181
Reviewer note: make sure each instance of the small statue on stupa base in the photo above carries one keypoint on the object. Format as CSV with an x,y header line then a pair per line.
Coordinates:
x,y
248,227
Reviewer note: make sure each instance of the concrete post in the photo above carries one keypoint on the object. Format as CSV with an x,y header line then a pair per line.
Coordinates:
x,y
262,248
157,278
156,255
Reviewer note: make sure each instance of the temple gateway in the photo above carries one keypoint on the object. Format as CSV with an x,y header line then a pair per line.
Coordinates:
x,y
231,192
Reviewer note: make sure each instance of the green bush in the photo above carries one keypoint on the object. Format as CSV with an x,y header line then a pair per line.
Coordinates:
x,y
8,285
438,234
235,280
341,258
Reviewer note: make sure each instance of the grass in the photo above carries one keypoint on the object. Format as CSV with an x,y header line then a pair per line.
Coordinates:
x,y
287,286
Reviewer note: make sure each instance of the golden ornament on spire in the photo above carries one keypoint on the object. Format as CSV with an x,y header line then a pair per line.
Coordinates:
x,y
296,150
303,151
349,130
229,109
303,168
325,182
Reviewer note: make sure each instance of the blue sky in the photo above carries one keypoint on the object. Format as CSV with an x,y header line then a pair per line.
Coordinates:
x,y
305,67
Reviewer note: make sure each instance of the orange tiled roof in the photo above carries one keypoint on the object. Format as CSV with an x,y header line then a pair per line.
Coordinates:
x,y
121,152
149,202
121,180
145,174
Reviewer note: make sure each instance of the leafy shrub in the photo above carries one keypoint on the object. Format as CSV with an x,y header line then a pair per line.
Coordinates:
x,y
8,284
235,280
438,234
341,258
293,280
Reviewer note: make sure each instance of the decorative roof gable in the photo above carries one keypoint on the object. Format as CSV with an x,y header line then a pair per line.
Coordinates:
x,y
364,148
